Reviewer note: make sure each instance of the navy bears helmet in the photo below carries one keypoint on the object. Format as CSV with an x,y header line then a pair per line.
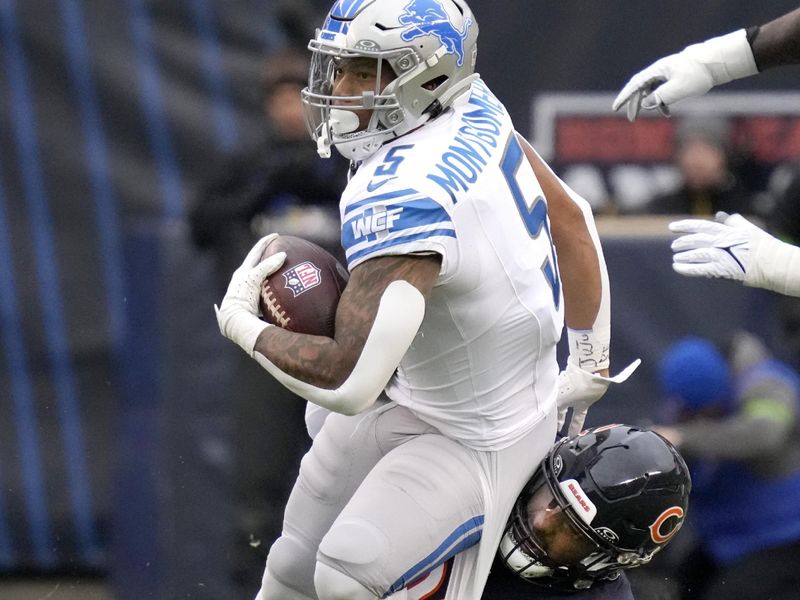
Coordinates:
x,y
622,491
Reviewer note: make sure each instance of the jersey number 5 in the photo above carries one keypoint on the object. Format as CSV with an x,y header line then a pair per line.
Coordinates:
x,y
534,214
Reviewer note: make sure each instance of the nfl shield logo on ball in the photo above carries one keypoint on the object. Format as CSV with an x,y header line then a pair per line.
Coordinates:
x,y
302,278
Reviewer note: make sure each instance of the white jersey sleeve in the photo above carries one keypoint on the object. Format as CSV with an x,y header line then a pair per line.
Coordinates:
x,y
386,210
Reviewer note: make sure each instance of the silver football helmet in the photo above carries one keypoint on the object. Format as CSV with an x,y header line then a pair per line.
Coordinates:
x,y
430,45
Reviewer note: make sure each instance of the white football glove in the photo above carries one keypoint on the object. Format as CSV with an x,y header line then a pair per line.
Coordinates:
x,y
579,389
691,72
719,248
733,248
237,314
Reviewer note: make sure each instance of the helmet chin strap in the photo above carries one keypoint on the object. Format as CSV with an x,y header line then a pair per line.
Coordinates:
x,y
358,147
324,142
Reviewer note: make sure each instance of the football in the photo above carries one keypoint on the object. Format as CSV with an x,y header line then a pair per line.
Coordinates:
x,y
303,294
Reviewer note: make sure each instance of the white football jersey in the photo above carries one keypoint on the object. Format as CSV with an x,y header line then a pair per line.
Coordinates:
x,y
482,368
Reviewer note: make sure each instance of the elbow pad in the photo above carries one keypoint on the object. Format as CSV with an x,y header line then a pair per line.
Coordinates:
x,y
399,316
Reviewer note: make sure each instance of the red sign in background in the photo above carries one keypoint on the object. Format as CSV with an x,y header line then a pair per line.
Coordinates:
x,y
619,166
769,139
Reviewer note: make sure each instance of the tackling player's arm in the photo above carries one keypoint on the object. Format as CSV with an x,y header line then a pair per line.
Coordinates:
x,y
732,247
587,297
577,253
586,313
587,306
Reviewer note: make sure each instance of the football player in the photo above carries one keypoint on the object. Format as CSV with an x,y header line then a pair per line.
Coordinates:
x,y
599,504
441,378
730,247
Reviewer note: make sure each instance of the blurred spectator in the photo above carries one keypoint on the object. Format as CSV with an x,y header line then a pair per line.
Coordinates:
x,y
735,420
298,18
279,184
708,182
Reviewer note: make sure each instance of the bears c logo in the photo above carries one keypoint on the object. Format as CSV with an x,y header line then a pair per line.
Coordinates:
x,y
655,529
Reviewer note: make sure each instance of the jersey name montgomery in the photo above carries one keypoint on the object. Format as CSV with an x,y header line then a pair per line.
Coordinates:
x,y
466,158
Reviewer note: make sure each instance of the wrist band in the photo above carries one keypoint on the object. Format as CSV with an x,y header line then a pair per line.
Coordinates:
x,y
589,348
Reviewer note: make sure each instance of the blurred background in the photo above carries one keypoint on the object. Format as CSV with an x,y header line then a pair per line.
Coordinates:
x,y
144,145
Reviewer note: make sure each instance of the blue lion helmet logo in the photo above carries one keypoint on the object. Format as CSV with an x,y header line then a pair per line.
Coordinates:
x,y
428,17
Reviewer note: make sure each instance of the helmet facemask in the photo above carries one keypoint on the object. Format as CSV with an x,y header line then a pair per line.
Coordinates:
x,y
333,119
430,47
531,552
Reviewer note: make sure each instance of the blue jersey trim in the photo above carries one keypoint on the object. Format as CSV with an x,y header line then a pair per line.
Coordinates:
x,y
396,241
404,216
380,198
470,534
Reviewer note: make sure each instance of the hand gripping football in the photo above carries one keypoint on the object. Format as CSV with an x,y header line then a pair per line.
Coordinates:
x,y
303,294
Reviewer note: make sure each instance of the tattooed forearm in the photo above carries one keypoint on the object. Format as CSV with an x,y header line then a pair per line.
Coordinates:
x,y
326,362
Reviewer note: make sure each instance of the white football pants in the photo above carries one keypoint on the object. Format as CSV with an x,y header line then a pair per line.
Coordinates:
x,y
383,497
